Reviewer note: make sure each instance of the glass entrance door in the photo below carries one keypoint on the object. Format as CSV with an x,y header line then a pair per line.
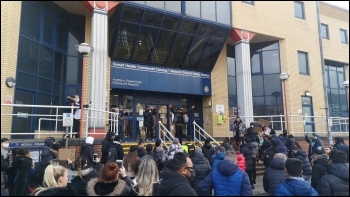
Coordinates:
x,y
309,125
161,115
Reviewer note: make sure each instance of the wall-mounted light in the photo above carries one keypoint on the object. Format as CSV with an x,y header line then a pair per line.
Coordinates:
x,y
84,48
10,82
307,93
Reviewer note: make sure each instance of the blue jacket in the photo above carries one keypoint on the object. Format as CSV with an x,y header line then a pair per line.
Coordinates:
x,y
295,187
227,180
218,157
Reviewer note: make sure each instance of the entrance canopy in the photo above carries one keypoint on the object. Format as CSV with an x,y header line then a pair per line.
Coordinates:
x,y
148,36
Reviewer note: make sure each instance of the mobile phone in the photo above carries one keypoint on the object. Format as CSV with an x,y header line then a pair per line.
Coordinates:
x,y
95,156
119,162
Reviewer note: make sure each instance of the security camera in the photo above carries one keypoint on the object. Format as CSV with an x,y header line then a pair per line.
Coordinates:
x,y
83,48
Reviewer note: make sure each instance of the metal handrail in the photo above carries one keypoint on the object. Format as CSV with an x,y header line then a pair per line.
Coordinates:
x,y
200,134
165,132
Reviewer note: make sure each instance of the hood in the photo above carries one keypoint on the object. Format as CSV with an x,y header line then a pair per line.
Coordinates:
x,y
208,146
321,159
171,180
199,158
277,163
85,146
240,156
109,135
227,168
220,155
340,170
302,153
89,140
83,172
299,187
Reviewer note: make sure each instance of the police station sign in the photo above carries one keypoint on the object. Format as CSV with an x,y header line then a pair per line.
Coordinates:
x,y
151,78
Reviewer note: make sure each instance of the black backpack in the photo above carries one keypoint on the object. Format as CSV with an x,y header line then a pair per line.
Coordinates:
x,y
112,155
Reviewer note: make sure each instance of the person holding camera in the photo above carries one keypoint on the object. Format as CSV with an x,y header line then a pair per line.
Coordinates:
x,y
179,121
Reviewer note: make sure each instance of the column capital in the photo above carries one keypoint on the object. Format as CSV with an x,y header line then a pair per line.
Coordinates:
x,y
239,35
101,5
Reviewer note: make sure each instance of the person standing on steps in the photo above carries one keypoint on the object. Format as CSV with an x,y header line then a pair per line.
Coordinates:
x,y
148,122
179,121
75,101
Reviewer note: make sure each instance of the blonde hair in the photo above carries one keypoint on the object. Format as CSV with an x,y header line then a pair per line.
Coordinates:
x,y
51,176
146,176
280,156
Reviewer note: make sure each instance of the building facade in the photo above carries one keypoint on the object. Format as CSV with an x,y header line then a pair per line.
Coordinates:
x,y
224,57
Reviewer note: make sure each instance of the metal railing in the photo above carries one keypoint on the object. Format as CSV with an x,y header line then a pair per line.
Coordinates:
x,y
163,131
201,133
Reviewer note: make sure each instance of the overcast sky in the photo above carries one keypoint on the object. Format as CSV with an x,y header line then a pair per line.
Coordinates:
x,y
343,4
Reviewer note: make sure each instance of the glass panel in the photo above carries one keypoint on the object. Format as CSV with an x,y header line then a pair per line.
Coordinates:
x,y
258,101
231,66
343,36
74,74
220,34
305,100
132,14
152,19
204,30
140,108
163,45
139,2
269,46
58,89
193,8
44,85
30,21
170,23
271,84
333,79
46,62
302,61
208,10
342,96
26,81
255,62
324,31
48,29
340,79
128,106
195,52
156,4
299,9
271,62
210,56
179,50
187,26
126,40
173,6
257,85
43,99
28,52
62,36
60,68
145,48
232,85
259,111
308,128
271,110
223,11
334,96
249,2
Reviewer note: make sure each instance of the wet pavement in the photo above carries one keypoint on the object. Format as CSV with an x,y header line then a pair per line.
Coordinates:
x,y
259,188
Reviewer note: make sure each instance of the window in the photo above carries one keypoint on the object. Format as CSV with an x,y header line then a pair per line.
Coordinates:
x,y
343,36
249,2
299,9
303,63
324,31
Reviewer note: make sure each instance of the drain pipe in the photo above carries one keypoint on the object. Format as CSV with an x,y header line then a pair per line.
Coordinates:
x,y
330,139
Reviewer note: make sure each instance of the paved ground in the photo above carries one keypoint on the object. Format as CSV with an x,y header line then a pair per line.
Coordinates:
x,y
259,189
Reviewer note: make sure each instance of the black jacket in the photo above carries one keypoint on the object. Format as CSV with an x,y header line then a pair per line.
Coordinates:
x,y
208,150
343,147
247,152
302,155
336,182
106,145
81,184
117,188
58,191
274,175
318,169
202,169
87,151
174,184
120,151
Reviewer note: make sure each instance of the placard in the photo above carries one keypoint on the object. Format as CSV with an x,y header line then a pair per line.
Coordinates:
x,y
220,108
65,153
67,119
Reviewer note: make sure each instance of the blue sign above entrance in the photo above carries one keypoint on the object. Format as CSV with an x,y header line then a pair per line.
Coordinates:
x,y
150,78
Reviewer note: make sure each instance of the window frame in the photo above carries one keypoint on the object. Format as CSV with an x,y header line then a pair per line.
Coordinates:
x,y
327,31
302,11
249,2
307,63
345,34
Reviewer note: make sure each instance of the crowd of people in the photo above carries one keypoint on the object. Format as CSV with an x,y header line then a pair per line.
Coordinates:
x,y
182,169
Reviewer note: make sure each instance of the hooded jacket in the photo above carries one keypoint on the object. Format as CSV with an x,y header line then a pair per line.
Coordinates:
x,y
174,184
295,187
161,153
106,145
274,175
218,157
117,188
314,143
247,152
241,161
81,183
202,169
336,182
227,180
59,191
87,151
302,156
318,169
208,150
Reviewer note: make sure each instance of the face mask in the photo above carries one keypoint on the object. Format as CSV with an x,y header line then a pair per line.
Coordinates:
x,y
315,138
191,178
5,145
251,126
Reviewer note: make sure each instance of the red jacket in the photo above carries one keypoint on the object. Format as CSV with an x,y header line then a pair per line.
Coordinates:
x,y
241,161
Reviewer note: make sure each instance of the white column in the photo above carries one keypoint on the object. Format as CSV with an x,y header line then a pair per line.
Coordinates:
x,y
98,92
244,81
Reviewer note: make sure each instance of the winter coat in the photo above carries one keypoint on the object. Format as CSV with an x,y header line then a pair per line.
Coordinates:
x,y
227,146
283,138
173,149
239,128
58,191
295,187
87,151
314,144
227,180
202,169
81,184
161,153
336,181
120,150
106,145
343,147
117,188
47,154
274,175
302,155
174,184
208,150
255,147
318,169
218,157
247,152
241,162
